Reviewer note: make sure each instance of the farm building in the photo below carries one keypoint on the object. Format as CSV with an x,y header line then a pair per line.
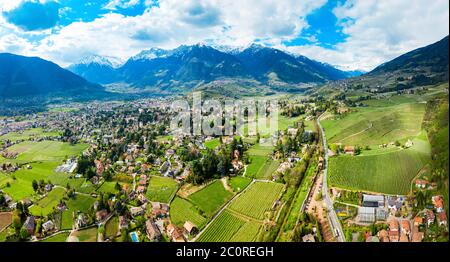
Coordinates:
x,y
373,201
371,214
190,227
349,150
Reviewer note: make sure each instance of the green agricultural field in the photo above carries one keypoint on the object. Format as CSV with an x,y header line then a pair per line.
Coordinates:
x,y
261,167
45,206
228,227
182,210
389,173
18,188
108,187
257,199
161,189
86,235
210,198
57,238
30,151
212,144
239,183
29,133
112,227
376,125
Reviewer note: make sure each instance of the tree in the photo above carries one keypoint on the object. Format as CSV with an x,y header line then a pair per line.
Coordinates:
x,y
35,185
23,234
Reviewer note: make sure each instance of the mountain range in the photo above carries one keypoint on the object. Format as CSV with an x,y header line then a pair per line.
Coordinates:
x,y
207,68
191,66
22,76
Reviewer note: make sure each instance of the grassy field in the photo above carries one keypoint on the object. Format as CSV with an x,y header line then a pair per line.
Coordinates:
x,y
213,143
45,206
112,227
80,203
30,151
29,133
86,235
389,173
376,125
261,165
257,200
182,210
57,238
210,198
161,189
43,157
239,183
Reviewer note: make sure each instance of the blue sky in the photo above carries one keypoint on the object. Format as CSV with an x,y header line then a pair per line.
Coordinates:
x,y
349,34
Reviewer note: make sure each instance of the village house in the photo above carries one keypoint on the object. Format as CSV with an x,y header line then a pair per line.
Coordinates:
x,y
406,227
81,221
140,189
438,203
430,217
152,230
383,235
393,231
175,233
137,211
48,226
442,219
122,222
349,150
420,183
100,215
190,228
29,225
308,238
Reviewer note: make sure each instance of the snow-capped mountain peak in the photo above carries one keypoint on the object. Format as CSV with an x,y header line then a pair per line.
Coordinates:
x,y
101,60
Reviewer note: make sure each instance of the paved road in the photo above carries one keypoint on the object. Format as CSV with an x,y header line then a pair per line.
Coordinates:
x,y
335,224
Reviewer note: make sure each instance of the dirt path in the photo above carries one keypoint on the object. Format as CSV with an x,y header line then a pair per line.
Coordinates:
x,y
225,184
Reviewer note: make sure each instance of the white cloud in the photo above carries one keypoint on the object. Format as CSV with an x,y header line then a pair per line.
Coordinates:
x,y
172,23
113,4
380,30
377,30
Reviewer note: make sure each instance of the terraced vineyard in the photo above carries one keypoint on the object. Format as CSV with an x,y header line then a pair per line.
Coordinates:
x,y
243,219
389,173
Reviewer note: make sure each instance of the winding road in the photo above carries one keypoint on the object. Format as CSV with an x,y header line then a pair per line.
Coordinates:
x,y
334,221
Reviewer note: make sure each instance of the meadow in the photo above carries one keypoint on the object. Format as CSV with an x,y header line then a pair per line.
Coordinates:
x,y
112,227
86,235
182,210
28,134
210,198
261,166
46,205
81,203
212,144
61,237
54,151
161,189
239,183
